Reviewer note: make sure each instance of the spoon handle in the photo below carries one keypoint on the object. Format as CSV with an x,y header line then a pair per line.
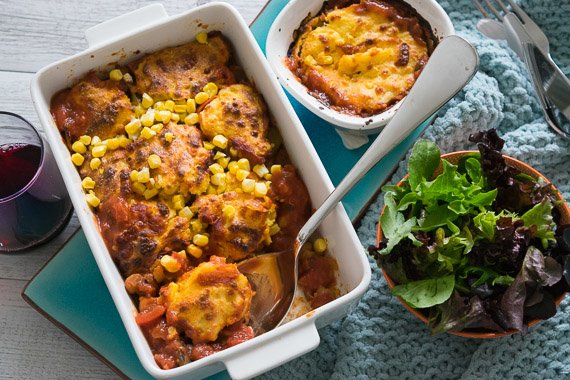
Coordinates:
x,y
451,66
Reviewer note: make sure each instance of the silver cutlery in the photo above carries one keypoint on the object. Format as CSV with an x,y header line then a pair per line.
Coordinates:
x,y
530,43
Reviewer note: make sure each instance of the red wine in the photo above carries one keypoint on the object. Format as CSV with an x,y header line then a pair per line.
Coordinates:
x,y
18,165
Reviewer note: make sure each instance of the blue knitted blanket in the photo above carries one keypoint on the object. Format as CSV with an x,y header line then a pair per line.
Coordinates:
x,y
380,338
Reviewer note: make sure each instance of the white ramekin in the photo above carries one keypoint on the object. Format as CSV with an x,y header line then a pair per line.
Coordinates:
x,y
352,129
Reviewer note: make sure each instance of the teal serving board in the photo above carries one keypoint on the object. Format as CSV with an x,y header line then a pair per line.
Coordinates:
x,y
78,301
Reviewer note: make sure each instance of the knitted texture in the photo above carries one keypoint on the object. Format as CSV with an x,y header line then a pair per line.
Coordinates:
x,y
380,339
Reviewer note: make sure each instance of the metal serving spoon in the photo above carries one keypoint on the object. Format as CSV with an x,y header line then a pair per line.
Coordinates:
x,y
274,275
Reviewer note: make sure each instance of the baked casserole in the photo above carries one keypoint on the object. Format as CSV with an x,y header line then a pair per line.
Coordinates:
x,y
187,176
361,57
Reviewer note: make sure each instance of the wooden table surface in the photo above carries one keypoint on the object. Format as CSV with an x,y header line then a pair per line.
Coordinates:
x,y
32,35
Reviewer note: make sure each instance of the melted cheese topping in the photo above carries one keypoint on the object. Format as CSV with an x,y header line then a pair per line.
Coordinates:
x,y
360,59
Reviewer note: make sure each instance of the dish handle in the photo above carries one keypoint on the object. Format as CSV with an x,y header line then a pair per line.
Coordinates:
x,y
117,27
273,351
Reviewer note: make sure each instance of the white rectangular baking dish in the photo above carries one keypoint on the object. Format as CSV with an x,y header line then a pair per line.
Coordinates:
x,y
149,29
351,128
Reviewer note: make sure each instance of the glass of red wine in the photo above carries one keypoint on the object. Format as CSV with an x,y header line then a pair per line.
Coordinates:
x,y
34,204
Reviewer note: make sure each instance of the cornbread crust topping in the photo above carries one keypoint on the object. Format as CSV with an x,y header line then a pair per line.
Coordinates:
x,y
360,58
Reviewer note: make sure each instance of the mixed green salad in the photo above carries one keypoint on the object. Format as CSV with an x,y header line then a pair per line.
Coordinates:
x,y
477,247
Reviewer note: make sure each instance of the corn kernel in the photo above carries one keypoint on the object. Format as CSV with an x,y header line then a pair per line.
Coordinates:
x,y
268,177
274,229
219,155
128,78
88,183
241,174
157,127
325,60
149,193
95,163
78,147
221,189
185,212
191,119
143,176
147,119
201,97
216,169
243,163
174,117
220,141
134,176
218,179
116,75
233,152
124,141
168,136
211,89
179,108
113,143
229,212
320,245
169,105
202,37
248,185
147,133
179,255
196,225
223,161
310,60
275,169
233,167
163,116
170,263
86,140
190,105
208,145
200,240
133,127
211,190
178,202
99,151
139,110
147,100
95,140
159,106
139,188
260,170
194,251
260,189
92,199
154,161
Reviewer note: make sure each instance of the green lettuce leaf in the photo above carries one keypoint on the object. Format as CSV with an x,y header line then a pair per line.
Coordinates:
x,y
541,216
426,293
394,226
423,161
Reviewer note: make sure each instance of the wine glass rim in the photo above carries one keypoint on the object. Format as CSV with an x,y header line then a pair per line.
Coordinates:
x,y
40,165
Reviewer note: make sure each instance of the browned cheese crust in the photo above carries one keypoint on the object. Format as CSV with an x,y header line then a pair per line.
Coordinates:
x,y
361,57
208,298
240,233
240,114
91,107
181,72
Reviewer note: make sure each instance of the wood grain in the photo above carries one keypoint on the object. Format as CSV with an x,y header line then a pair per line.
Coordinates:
x,y
36,33
32,35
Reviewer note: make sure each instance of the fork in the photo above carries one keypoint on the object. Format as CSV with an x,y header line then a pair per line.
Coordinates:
x,y
530,43
533,30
